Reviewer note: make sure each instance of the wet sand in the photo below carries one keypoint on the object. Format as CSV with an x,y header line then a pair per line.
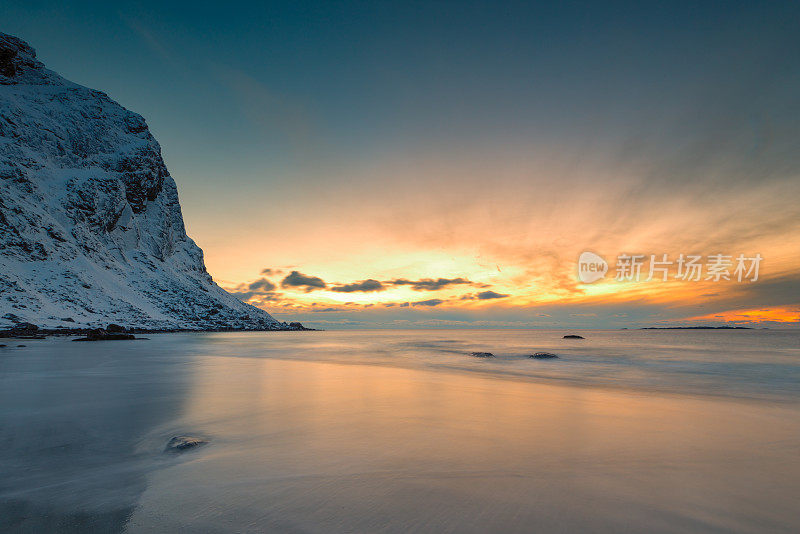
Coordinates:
x,y
322,447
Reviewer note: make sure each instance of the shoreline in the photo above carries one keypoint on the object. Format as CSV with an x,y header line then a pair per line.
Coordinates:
x,y
42,333
513,366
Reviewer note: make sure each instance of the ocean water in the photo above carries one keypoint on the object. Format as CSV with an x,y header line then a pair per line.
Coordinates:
x,y
404,431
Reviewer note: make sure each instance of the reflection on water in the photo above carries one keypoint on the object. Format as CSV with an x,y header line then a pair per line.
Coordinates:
x,y
319,447
71,418
410,435
744,363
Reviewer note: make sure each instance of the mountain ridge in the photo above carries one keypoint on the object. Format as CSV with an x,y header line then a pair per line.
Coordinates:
x,y
91,229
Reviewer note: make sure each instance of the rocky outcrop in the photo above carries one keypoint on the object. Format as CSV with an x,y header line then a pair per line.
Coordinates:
x,y
110,333
91,229
184,443
22,330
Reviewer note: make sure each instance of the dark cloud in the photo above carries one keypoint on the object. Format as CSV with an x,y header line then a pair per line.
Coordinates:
x,y
486,295
424,284
256,292
429,302
364,285
297,279
262,285
270,272
403,305
429,284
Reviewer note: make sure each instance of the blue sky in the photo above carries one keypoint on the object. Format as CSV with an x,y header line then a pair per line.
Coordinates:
x,y
383,140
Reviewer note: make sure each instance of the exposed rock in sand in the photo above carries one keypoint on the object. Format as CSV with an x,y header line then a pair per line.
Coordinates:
x,y
183,443
543,355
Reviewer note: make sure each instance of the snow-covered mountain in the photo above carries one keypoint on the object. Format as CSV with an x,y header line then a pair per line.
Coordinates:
x,y
91,230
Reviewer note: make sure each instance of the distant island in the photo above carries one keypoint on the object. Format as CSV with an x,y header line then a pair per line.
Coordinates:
x,y
696,328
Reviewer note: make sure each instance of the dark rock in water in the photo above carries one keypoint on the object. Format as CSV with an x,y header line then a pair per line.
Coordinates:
x,y
543,355
100,334
25,329
482,354
183,443
21,346
1,346
115,329
572,336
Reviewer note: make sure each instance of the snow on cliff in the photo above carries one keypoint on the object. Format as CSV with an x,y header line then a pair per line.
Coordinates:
x,y
91,230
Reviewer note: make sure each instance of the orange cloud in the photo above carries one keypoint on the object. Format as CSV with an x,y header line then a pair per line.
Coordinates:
x,y
759,315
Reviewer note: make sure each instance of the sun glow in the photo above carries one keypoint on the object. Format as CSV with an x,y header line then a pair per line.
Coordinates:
x,y
760,315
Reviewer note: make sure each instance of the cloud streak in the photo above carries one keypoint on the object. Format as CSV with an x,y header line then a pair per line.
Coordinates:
x,y
429,284
262,285
363,286
429,302
489,295
307,283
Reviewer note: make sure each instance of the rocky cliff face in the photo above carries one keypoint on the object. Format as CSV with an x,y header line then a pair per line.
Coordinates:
x,y
91,229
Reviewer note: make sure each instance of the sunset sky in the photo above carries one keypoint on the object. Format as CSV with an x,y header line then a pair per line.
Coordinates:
x,y
434,164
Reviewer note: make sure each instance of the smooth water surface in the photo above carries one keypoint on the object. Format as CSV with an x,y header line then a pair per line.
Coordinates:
x,y
403,431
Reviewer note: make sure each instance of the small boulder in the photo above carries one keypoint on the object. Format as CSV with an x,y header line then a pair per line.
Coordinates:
x,y
482,354
572,336
25,329
543,355
183,443
96,333
100,334
21,346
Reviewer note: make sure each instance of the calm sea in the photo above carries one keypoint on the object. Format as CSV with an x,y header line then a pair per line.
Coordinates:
x,y
404,431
